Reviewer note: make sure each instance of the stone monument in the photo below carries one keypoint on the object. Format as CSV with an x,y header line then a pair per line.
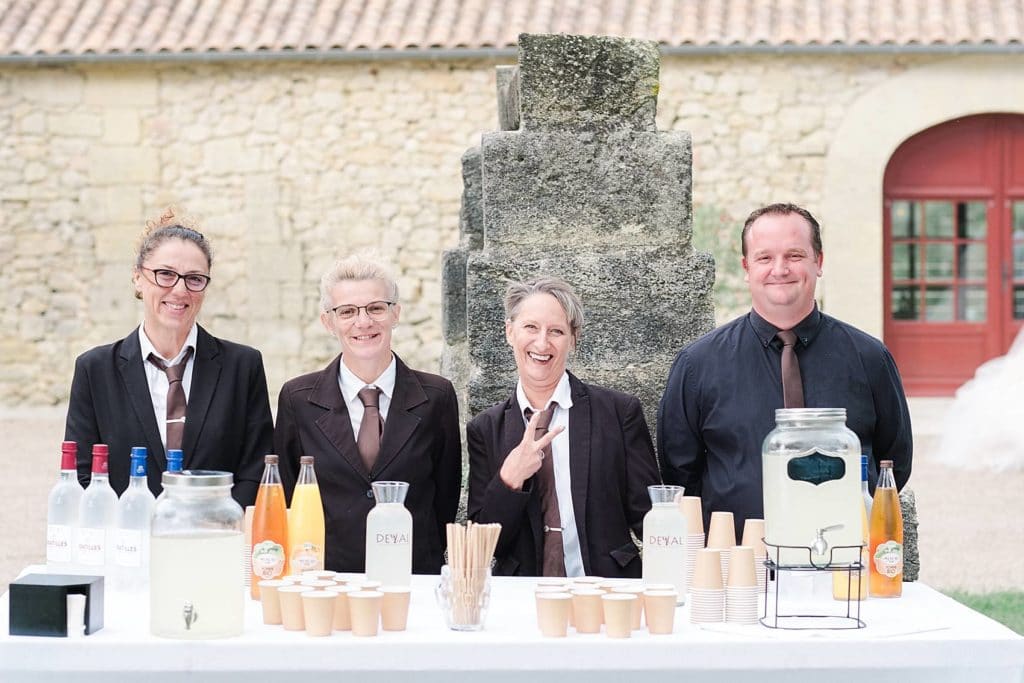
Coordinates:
x,y
578,183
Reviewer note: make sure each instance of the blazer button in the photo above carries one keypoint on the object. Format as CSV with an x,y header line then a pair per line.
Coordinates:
x,y
369,494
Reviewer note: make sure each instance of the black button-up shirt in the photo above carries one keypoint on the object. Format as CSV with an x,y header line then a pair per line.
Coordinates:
x,y
723,390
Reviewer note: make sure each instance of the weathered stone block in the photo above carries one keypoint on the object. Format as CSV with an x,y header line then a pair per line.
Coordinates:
x,y
453,296
471,216
507,82
119,165
587,83
121,87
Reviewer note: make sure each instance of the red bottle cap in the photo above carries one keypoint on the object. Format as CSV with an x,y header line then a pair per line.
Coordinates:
x,y
68,455
100,453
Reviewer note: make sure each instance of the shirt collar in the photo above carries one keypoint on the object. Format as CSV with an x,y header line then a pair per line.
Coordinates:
x,y
350,384
148,348
562,395
806,330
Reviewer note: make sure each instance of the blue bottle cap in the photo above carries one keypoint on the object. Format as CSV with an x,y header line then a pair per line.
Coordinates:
x,y
175,456
138,463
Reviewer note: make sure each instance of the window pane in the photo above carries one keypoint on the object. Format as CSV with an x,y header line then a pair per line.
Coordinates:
x,y
1018,220
1018,302
904,303
971,220
972,304
938,262
938,304
971,261
1018,260
938,219
906,219
904,261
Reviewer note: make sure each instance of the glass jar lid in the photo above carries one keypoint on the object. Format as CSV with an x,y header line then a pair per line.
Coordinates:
x,y
197,479
809,414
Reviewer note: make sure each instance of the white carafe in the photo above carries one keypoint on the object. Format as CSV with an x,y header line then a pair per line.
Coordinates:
x,y
664,539
389,535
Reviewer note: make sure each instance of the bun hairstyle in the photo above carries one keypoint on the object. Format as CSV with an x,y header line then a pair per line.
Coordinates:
x,y
167,227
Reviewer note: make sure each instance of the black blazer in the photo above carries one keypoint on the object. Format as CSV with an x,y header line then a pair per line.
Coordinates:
x,y
611,465
228,424
420,445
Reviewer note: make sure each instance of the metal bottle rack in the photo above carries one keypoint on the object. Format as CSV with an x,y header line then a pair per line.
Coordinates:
x,y
824,620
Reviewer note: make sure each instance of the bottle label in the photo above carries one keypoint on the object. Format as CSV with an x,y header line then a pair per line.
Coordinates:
x,y
58,543
659,541
889,559
386,538
306,557
91,546
268,559
128,547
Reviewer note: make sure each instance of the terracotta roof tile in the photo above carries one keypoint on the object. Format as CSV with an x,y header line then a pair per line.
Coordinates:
x,y
72,27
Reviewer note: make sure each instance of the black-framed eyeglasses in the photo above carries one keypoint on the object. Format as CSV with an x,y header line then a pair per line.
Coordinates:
x,y
162,277
375,310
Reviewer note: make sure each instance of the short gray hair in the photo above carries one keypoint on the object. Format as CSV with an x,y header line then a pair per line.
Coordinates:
x,y
355,267
517,292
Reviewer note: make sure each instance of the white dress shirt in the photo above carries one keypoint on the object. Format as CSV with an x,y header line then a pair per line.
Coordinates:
x,y
352,385
157,378
563,484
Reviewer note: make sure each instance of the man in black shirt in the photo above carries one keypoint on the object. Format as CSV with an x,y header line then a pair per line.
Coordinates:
x,y
723,389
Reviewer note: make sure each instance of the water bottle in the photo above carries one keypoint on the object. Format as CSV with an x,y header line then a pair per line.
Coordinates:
x,y
93,546
132,518
62,510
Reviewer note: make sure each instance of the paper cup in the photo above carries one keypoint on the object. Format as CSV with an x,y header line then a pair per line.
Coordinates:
x,y
318,584
553,613
364,607
638,606
558,581
291,606
722,530
753,536
342,612
369,585
320,574
660,611
742,572
270,601
587,580
618,614
587,610
394,607
692,511
707,569
318,611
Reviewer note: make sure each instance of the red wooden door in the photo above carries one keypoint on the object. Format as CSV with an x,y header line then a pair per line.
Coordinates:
x,y
954,249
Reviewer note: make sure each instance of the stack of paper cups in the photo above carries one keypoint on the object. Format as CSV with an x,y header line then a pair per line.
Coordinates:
x,y
691,509
722,536
707,596
753,537
741,591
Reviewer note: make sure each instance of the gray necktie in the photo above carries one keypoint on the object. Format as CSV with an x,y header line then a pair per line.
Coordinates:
x,y
176,404
792,386
554,552
371,428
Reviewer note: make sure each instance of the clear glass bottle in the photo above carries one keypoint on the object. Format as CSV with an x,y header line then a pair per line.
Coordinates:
x,y
132,519
175,457
886,580
195,571
811,484
389,535
62,510
664,558
94,549
306,521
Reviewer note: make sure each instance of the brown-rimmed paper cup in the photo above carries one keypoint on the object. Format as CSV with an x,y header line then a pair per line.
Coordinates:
x,y
318,611
270,601
587,610
693,512
707,569
660,611
741,567
342,613
753,536
618,614
553,613
636,618
320,574
291,606
364,606
394,607
722,530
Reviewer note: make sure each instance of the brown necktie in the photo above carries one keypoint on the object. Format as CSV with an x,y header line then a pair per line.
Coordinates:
x,y
370,429
792,387
176,403
554,552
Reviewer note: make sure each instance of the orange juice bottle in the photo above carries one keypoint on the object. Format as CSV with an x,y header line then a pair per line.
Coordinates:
x,y
269,528
886,537
306,521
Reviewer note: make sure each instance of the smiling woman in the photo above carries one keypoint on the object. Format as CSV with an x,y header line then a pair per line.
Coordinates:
x,y
170,384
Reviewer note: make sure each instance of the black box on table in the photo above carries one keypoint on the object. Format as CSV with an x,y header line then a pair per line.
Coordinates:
x,y
39,603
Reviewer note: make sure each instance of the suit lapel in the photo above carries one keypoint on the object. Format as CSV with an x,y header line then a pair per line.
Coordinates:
x,y
141,401
511,436
401,423
205,374
335,423
579,460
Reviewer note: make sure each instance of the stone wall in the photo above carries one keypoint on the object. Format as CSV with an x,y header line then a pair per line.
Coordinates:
x,y
288,165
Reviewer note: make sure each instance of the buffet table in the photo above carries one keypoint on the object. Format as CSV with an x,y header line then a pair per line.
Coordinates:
x,y
923,636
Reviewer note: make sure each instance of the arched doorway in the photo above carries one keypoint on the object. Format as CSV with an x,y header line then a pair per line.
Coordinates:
x,y
954,249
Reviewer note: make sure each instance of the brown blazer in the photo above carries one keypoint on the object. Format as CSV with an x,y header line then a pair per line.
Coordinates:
x,y
420,445
611,465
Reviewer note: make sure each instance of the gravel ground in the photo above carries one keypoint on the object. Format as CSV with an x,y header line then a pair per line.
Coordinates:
x,y
972,535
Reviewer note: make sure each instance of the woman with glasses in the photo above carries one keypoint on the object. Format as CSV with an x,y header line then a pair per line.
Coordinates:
x,y
169,384
368,417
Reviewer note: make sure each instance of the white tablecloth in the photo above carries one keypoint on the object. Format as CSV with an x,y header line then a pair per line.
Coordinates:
x,y
923,636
